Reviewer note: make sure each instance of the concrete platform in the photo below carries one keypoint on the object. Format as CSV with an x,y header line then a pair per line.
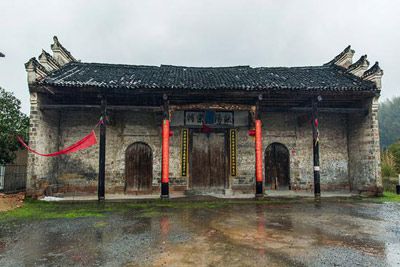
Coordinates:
x,y
175,195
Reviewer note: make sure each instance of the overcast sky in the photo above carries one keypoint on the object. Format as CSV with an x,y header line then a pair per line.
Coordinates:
x,y
200,33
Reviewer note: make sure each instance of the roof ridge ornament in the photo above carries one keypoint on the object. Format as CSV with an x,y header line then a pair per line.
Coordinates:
x,y
60,53
359,67
344,59
35,71
48,61
374,74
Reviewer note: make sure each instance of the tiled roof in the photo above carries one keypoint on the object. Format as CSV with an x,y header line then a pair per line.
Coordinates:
x,y
328,77
374,69
358,63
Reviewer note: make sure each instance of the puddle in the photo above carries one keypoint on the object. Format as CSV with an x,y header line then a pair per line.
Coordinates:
x,y
295,234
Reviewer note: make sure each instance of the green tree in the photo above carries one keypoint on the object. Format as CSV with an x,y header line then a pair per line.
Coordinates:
x,y
394,149
13,123
389,122
388,165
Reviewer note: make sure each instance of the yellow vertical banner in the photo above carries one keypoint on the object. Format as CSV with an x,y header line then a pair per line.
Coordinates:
x,y
233,151
184,152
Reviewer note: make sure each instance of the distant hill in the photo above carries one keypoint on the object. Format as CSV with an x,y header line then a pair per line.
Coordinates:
x,y
389,121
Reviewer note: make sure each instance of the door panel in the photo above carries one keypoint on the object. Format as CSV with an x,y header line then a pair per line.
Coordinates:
x,y
277,166
138,167
200,161
208,163
217,160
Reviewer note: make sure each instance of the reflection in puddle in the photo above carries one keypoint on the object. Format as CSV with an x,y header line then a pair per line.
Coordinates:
x,y
164,227
260,215
234,235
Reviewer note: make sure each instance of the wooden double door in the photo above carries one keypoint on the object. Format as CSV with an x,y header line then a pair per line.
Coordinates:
x,y
208,166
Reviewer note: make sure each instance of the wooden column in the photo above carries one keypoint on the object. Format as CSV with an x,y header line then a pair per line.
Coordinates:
x,y
102,150
165,151
317,185
258,151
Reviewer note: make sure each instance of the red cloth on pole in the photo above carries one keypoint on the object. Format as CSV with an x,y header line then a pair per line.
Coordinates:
x,y
259,176
316,123
87,141
165,152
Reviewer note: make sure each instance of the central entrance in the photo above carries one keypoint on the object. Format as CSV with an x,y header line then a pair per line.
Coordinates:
x,y
208,161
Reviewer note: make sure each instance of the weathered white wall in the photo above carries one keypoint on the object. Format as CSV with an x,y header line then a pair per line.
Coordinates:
x,y
339,138
294,131
364,150
43,137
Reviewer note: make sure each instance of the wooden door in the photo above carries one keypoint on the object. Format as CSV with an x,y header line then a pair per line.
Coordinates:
x,y
217,160
138,167
200,169
208,161
277,166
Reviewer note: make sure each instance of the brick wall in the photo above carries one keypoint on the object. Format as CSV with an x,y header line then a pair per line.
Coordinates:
x,y
43,137
294,131
349,149
364,150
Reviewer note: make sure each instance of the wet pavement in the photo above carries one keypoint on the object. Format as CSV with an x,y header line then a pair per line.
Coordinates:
x,y
286,234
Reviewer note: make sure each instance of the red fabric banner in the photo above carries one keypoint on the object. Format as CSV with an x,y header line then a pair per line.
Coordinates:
x,y
259,176
165,152
87,141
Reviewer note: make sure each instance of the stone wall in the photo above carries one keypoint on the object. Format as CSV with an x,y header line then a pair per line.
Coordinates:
x,y
43,137
364,150
124,129
349,149
294,131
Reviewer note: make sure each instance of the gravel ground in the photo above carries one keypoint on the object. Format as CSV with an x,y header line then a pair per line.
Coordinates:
x,y
11,201
289,234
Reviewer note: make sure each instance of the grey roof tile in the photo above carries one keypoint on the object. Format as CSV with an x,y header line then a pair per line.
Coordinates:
x,y
326,77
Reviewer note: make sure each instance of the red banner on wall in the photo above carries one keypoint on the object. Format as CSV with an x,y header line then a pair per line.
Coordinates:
x,y
87,141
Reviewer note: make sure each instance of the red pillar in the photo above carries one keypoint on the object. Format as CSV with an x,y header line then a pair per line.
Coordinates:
x,y
259,176
165,160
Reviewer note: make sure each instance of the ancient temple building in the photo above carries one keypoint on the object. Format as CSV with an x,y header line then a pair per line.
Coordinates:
x,y
204,129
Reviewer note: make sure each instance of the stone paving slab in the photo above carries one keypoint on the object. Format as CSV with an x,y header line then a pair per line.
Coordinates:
x,y
293,233
272,194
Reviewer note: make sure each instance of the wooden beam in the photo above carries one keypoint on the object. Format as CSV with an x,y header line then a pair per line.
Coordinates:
x,y
320,110
109,107
216,106
202,106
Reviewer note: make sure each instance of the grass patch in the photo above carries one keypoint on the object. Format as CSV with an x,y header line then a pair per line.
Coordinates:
x,y
389,183
387,197
41,210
